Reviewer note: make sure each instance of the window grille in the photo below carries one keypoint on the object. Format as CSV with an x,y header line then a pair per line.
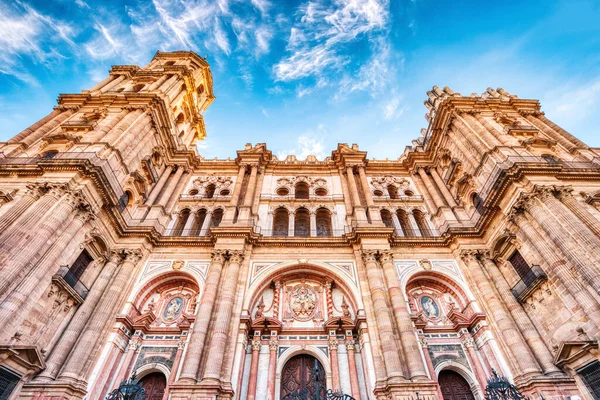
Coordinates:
x,y
8,382
590,375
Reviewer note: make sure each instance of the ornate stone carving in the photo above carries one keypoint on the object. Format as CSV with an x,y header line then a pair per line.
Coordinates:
x,y
255,344
273,344
333,344
218,256
302,302
236,256
177,265
350,344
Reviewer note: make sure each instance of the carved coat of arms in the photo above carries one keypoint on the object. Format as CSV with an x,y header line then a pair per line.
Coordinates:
x,y
303,302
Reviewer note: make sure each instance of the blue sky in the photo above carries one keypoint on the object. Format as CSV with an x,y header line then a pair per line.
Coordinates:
x,y
305,75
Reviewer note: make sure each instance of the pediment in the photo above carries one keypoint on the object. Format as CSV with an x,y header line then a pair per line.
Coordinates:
x,y
572,351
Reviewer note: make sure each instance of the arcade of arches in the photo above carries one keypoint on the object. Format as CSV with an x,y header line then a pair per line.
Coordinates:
x,y
125,252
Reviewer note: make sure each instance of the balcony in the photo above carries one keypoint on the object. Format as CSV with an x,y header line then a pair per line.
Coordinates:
x,y
531,281
67,281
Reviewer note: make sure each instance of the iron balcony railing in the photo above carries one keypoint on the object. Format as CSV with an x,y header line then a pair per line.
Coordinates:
x,y
307,235
65,276
529,283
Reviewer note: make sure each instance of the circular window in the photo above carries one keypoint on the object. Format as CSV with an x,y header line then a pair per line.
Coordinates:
x,y
283,191
224,192
193,192
378,193
409,193
321,192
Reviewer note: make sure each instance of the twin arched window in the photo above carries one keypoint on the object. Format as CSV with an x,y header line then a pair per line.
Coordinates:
x,y
302,190
196,226
405,226
302,223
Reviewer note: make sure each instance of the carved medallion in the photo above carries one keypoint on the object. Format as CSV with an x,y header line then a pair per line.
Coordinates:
x,y
302,302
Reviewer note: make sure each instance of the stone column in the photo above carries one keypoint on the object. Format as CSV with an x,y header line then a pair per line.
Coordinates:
x,y
355,389
430,367
527,328
223,313
206,224
159,185
235,195
17,256
549,132
580,210
313,223
105,126
169,188
560,268
430,187
113,84
410,345
486,137
470,137
506,327
273,346
584,237
245,212
335,367
47,127
187,228
469,344
385,324
291,217
397,225
561,131
132,348
74,329
423,190
254,369
177,191
16,306
19,208
121,126
191,364
157,83
175,368
416,229
443,188
374,213
359,212
559,236
487,125
79,361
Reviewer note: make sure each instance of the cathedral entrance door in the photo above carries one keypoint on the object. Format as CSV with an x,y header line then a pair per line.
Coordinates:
x,y
300,375
454,386
154,384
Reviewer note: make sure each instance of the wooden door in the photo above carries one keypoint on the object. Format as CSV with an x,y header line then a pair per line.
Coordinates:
x,y
454,386
154,384
299,375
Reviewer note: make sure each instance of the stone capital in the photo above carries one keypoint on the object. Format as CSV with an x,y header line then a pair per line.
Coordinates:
x,y
350,343
333,344
255,344
181,345
132,255
273,344
33,190
469,255
115,256
369,256
423,341
563,192
386,256
236,256
218,256
467,341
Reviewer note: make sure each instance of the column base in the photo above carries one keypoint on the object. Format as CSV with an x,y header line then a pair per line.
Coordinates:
x,y
549,387
403,390
207,389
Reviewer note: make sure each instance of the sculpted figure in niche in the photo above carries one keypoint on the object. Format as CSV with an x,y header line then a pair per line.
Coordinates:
x,y
174,308
429,306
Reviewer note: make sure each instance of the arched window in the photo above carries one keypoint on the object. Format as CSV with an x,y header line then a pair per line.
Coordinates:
x,y
124,200
386,217
301,190
323,222
549,158
200,89
196,229
393,191
180,118
281,220
478,203
404,223
181,221
210,191
217,217
138,87
302,223
421,223
170,63
49,154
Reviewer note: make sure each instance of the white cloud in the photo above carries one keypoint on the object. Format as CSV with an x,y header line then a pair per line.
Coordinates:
x,y
317,40
310,143
265,113
391,108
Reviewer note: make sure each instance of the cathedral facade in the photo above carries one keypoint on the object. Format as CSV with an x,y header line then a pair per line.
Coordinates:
x,y
123,252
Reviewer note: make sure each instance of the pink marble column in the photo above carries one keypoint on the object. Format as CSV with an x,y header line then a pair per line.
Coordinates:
x,y
61,350
31,195
273,345
469,344
191,364
223,314
359,212
352,367
385,325
580,210
132,348
410,346
335,366
79,361
430,366
253,369
175,367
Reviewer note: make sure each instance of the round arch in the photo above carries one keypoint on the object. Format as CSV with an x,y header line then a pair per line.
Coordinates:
x,y
317,268
148,369
150,283
297,350
463,371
